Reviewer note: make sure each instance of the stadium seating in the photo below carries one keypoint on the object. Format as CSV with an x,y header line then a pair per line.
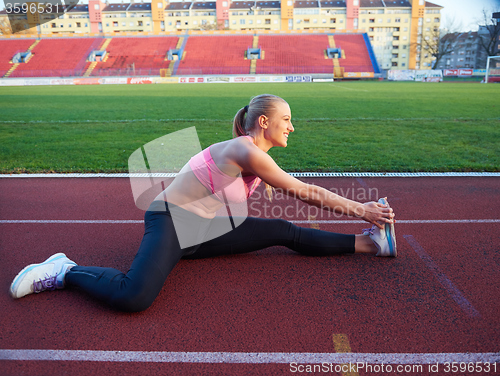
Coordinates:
x,y
8,48
215,55
202,55
145,55
357,58
61,57
294,54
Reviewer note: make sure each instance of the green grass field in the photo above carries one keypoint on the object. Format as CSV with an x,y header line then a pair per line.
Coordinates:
x,y
345,126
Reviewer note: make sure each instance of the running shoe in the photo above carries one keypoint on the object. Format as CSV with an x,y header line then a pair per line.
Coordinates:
x,y
384,239
35,278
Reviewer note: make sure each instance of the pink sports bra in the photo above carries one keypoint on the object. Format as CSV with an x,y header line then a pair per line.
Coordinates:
x,y
228,189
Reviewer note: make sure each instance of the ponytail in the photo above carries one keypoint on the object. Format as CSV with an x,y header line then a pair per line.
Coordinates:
x,y
239,123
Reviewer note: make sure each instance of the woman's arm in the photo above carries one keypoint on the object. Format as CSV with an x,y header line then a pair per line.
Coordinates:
x,y
262,165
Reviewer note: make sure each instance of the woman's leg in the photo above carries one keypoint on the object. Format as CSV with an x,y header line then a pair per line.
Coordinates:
x,y
135,291
258,233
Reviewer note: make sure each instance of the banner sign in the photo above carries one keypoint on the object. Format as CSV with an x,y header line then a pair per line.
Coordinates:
x,y
139,80
191,80
401,75
458,72
358,74
429,75
298,79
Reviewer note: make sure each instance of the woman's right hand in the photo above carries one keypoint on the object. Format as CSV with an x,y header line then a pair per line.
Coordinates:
x,y
377,213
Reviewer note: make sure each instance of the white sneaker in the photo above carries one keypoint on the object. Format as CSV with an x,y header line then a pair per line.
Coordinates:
x,y
385,239
35,278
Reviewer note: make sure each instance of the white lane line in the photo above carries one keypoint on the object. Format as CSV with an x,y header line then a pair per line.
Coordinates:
x,y
305,221
452,290
247,357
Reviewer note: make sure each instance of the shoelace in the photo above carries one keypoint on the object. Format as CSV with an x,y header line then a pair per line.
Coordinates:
x,y
49,283
368,230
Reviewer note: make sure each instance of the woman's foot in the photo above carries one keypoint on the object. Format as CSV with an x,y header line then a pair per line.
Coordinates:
x,y
35,278
383,239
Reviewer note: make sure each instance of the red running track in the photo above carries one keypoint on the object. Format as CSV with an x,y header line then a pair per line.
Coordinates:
x,y
440,296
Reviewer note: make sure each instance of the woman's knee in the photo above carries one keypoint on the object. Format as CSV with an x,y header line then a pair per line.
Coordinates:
x,y
133,300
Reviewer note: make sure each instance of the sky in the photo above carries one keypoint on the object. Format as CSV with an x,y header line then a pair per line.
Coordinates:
x,y
467,13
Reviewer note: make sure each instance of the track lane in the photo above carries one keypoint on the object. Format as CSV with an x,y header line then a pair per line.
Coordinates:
x,y
271,300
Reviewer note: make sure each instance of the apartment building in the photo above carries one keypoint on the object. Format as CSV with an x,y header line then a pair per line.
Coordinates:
x,y
466,52
396,28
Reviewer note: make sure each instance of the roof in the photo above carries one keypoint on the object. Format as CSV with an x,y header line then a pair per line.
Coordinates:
x,y
305,4
178,6
242,4
397,4
371,4
139,6
204,5
268,4
432,5
116,7
83,8
333,4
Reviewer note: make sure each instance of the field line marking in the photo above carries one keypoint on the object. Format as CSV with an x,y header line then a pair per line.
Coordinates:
x,y
294,174
452,290
246,357
305,221
341,345
230,120
347,88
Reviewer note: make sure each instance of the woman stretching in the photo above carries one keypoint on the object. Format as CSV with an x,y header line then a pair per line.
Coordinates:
x,y
228,171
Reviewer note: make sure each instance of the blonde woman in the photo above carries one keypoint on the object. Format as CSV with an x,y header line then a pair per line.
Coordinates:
x,y
226,172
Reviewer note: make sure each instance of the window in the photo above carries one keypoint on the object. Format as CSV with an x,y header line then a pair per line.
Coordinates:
x,y
78,24
371,20
139,23
267,21
397,20
242,21
115,24
394,63
436,19
394,56
224,4
333,20
96,6
53,25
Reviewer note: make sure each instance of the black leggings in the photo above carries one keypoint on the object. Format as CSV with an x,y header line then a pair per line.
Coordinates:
x,y
160,251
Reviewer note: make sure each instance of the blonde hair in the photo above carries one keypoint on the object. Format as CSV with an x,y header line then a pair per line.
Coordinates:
x,y
246,118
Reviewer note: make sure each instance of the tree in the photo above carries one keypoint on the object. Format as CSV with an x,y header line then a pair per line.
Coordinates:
x,y
439,43
489,32
12,26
